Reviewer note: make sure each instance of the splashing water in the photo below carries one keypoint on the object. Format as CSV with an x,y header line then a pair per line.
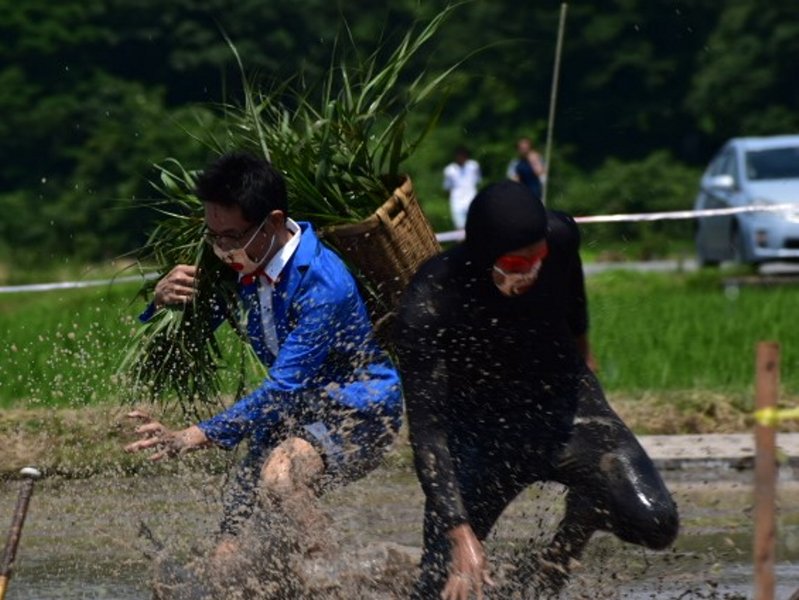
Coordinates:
x,y
82,541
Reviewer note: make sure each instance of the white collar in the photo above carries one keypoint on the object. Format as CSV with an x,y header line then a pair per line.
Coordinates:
x,y
278,262
275,266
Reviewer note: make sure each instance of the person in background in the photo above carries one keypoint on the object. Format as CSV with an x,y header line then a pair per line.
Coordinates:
x,y
528,167
461,178
331,404
492,341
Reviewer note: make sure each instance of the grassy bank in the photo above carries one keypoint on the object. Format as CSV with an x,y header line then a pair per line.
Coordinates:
x,y
62,348
79,442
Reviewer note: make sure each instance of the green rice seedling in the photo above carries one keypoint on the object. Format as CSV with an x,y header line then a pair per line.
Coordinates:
x,y
175,356
688,331
60,347
341,144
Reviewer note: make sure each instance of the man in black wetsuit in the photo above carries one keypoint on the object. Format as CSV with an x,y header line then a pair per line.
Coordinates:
x,y
491,337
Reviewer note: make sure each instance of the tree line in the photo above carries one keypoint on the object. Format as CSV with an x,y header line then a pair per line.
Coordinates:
x,y
93,93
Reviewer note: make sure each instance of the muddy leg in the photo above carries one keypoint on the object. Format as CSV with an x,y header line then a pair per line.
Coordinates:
x,y
288,484
548,571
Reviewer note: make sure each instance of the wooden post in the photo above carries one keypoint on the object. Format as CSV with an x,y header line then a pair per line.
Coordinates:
x,y
767,391
30,474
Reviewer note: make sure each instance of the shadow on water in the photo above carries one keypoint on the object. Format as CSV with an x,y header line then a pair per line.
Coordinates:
x,y
82,540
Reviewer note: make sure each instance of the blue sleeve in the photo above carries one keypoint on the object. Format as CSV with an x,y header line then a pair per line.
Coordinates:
x,y
218,314
299,359
148,313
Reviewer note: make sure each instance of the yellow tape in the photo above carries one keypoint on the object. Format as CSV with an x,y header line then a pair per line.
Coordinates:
x,y
771,417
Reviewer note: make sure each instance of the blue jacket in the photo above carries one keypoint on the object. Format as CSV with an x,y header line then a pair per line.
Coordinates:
x,y
327,352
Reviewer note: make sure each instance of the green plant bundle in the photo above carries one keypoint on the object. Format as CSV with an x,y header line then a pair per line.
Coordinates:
x,y
339,145
175,355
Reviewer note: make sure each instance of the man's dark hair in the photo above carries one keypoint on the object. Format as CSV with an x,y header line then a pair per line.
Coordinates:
x,y
244,180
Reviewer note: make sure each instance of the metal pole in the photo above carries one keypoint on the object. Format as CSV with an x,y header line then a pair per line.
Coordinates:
x,y
30,475
553,98
767,390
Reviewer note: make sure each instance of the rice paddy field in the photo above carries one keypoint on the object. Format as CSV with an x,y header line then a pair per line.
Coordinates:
x,y
676,355
687,334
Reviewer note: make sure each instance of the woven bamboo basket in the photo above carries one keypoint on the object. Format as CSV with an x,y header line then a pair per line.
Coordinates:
x,y
388,247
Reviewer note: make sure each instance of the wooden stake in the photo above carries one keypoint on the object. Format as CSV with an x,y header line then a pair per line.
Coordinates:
x,y
767,391
10,552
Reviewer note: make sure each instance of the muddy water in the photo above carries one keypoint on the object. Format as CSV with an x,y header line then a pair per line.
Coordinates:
x,y
81,538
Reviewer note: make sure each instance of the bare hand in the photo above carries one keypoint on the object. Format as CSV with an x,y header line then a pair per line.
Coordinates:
x,y
468,569
167,443
178,287
592,363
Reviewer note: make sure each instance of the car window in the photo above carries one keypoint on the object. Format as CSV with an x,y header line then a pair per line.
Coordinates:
x,y
732,168
723,165
717,166
774,163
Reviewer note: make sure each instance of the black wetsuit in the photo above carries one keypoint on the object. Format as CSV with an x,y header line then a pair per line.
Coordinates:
x,y
498,396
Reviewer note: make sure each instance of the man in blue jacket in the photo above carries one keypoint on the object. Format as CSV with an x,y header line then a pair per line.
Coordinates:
x,y
332,403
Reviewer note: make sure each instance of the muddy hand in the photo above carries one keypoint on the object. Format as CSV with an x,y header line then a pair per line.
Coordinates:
x,y
468,568
178,287
152,433
167,443
460,586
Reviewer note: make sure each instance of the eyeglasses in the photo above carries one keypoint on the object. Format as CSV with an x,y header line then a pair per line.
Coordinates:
x,y
232,241
511,263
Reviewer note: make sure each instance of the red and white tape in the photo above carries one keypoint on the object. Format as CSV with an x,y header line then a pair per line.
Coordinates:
x,y
71,285
458,235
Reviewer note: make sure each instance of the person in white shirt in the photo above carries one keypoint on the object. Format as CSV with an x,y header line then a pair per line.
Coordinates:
x,y
461,178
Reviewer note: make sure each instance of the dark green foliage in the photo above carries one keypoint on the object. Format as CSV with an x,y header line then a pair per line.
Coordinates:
x,y
656,183
93,92
746,80
340,142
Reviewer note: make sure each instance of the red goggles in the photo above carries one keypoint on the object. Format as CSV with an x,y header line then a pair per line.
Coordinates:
x,y
510,263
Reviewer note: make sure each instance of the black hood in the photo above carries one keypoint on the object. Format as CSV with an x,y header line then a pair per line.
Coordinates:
x,y
503,217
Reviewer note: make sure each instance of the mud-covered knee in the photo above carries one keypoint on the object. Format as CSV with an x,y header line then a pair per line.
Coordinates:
x,y
292,465
643,511
664,527
655,528
276,477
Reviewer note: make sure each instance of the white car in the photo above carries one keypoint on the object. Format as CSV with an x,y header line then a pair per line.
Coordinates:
x,y
750,171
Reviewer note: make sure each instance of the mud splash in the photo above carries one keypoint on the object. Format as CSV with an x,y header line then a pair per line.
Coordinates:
x,y
82,541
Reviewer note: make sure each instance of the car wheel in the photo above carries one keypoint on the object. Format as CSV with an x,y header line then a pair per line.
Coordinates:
x,y
701,256
707,263
738,247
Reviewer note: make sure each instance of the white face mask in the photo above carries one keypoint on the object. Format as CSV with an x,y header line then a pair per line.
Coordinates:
x,y
238,259
515,284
